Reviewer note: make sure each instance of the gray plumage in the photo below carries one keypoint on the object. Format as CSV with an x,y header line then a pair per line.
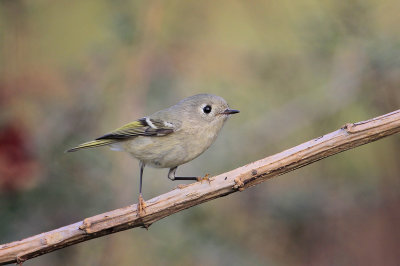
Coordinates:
x,y
170,137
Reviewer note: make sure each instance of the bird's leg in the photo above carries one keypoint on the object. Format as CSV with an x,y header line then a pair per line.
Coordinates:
x,y
171,176
141,206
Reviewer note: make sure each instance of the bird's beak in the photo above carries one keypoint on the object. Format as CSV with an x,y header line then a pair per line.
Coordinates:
x,y
230,112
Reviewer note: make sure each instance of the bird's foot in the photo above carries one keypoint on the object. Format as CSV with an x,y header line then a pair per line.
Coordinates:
x,y
141,206
205,178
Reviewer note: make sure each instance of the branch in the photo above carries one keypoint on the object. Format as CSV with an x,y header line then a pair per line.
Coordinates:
x,y
183,197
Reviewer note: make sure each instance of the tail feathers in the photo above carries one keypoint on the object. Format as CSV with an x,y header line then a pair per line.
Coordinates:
x,y
92,144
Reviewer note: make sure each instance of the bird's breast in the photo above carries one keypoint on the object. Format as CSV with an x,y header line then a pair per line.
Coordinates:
x,y
173,149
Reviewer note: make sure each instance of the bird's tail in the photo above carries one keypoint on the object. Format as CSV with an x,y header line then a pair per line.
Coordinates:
x,y
92,144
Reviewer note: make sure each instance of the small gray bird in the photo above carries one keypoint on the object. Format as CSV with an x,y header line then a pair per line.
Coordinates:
x,y
170,137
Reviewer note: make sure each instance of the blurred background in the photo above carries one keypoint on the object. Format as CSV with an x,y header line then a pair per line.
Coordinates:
x,y
71,71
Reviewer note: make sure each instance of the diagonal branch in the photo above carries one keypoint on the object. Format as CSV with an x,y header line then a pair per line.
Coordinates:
x,y
348,137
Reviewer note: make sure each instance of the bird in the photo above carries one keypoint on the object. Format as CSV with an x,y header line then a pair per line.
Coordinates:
x,y
170,137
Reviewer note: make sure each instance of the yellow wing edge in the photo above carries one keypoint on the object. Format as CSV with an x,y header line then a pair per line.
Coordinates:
x,y
104,142
91,144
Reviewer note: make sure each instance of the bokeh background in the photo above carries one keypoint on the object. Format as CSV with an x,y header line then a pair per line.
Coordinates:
x,y
73,70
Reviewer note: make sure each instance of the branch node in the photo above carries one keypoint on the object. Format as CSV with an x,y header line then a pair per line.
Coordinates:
x,y
349,127
85,225
239,185
43,241
20,260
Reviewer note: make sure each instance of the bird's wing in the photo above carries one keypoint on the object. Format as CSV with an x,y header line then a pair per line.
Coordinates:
x,y
142,127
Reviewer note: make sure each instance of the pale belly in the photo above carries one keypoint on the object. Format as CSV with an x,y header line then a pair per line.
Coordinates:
x,y
168,151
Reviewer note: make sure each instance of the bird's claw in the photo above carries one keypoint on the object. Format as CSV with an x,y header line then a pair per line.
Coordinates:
x,y
141,207
205,178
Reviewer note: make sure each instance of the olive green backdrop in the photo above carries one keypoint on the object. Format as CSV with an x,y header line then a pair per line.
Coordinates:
x,y
72,70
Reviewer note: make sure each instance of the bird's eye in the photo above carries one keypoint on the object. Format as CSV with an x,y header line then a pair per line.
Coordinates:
x,y
207,109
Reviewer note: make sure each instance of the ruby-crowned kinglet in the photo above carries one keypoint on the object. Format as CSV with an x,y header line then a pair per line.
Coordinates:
x,y
170,137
